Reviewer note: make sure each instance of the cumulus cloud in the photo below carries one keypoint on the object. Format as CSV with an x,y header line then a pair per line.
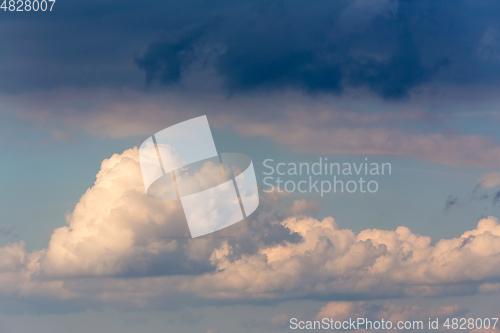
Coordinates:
x,y
121,247
116,229
373,263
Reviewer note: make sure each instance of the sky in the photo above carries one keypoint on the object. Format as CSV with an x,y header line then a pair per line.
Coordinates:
x,y
413,84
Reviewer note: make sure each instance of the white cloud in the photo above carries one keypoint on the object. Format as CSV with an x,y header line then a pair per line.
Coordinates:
x,y
118,248
114,225
331,260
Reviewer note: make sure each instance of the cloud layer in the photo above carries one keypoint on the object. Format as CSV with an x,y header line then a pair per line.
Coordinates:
x,y
121,247
291,121
389,48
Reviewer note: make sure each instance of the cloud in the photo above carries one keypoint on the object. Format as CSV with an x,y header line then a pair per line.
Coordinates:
x,y
342,310
486,330
388,311
8,232
164,61
489,180
117,230
295,122
279,321
471,150
450,202
480,193
389,48
124,249
374,263
488,288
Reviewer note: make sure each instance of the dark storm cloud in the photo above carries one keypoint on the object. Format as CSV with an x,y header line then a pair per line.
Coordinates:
x,y
388,47
164,60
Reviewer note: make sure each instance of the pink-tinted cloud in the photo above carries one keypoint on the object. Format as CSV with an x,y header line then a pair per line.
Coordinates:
x,y
116,249
296,122
489,180
451,149
388,311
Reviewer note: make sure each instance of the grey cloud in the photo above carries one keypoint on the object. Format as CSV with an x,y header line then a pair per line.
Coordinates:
x,y
388,47
313,47
450,202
